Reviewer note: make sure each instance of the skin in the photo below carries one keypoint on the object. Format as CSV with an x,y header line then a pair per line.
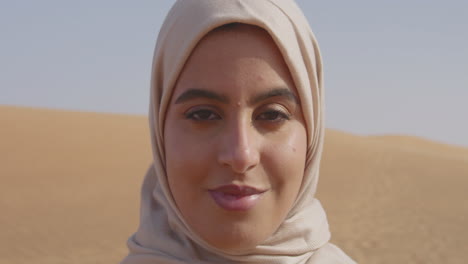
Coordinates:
x,y
234,130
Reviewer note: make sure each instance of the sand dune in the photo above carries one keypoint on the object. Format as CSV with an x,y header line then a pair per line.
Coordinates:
x,y
70,182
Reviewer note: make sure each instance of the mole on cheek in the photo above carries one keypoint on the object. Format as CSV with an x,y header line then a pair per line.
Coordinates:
x,y
260,78
292,147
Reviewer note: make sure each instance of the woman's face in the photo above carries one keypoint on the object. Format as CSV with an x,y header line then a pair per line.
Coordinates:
x,y
235,139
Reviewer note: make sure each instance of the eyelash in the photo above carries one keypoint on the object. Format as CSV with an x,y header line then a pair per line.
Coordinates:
x,y
192,115
213,116
283,116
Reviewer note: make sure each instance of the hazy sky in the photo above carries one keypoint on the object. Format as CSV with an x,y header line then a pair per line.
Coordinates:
x,y
391,67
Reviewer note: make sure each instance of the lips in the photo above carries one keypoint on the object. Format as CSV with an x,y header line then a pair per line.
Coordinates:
x,y
235,197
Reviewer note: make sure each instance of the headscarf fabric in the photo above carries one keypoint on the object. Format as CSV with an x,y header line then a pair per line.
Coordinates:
x,y
163,236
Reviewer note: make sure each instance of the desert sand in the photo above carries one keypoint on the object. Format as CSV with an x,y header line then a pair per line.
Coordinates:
x,y
70,182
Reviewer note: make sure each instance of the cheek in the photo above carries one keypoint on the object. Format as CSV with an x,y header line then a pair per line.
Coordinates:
x,y
187,160
285,158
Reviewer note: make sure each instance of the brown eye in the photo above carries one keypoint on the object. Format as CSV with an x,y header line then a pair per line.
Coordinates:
x,y
273,115
202,115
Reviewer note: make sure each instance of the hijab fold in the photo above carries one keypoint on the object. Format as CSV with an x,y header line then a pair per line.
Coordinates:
x,y
163,235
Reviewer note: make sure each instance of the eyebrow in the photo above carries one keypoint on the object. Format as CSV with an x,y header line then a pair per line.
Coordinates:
x,y
200,93
283,92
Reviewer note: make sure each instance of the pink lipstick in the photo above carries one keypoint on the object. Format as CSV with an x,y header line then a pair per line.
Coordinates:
x,y
236,198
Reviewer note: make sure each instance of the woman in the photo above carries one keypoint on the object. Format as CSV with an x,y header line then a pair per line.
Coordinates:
x,y
236,121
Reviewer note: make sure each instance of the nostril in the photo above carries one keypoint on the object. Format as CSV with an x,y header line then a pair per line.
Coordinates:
x,y
238,148
240,160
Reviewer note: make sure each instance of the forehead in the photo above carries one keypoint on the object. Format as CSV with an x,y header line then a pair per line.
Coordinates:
x,y
235,57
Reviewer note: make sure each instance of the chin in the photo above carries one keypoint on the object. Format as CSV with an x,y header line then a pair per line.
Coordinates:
x,y
235,232
238,236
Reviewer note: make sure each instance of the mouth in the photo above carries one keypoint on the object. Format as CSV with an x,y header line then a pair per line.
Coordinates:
x,y
235,197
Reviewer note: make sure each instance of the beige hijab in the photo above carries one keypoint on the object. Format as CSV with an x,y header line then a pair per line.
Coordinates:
x,y
163,236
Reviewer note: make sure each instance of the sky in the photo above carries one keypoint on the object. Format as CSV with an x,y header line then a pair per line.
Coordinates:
x,y
391,67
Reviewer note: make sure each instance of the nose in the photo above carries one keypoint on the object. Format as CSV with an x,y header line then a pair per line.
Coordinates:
x,y
238,148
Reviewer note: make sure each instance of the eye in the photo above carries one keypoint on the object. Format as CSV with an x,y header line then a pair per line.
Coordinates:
x,y
202,115
273,115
